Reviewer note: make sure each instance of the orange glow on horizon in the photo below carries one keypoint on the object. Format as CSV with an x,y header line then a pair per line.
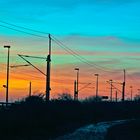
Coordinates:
x,y
61,81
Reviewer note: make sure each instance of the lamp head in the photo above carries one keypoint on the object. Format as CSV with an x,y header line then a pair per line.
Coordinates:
x,y
4,86
6,46
76,69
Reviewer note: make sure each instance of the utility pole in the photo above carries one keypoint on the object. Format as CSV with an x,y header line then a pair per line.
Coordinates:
x,y
75,92
111,81
48,71
116,96
7,83
131,92
123,88
30,89
96,85
77,86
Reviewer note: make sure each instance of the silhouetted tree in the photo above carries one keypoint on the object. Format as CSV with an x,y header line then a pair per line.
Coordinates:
x,y
34,99
137,98
65,97
93,99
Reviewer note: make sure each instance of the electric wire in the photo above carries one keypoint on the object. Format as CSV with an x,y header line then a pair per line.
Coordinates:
x,y
67,49
82,59
75,54
29,29
32,34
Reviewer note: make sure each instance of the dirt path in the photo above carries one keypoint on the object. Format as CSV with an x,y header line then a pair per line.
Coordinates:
x,y
91,132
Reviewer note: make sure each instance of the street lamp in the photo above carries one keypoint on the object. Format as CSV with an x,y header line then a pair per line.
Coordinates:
x,y
131,92
7,83
96,85
77,69
111,81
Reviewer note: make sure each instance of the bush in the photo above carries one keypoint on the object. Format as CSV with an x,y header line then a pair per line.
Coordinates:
x,y
65,97
137,98
93,99
34,99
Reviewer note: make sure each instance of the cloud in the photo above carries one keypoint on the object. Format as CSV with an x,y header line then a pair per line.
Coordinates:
x,y
100,44
135,76
94,41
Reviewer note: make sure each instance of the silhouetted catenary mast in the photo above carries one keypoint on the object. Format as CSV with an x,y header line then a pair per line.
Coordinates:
x,y
7,82
111,88
48,72
123,87
30,89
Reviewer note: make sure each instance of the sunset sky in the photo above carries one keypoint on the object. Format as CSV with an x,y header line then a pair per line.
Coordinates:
x,y
105,32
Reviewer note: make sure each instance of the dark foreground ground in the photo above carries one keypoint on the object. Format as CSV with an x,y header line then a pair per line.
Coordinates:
x,y
35,119
126,131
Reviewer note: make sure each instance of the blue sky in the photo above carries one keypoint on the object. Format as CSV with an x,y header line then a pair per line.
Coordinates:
x,y
86,17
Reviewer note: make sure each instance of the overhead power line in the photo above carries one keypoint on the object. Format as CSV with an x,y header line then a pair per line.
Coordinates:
x,y
29,29
31,64
81,58
59,43
38,57
17,30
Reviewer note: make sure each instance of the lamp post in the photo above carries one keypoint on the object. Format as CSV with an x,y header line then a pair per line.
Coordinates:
x,y
7,82
30,89
111,81
96,85
131,92
77,69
